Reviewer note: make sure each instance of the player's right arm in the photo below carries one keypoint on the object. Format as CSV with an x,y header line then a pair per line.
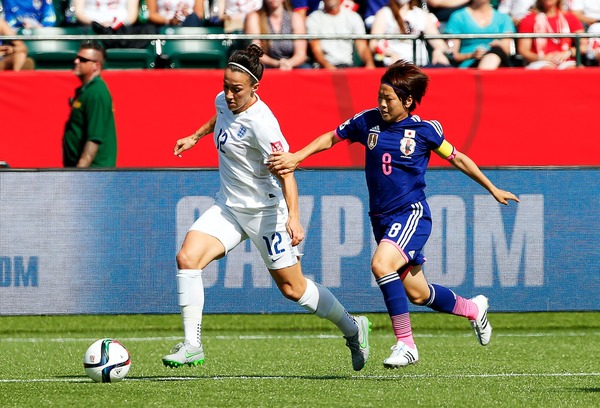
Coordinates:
x,y
190,141
285,162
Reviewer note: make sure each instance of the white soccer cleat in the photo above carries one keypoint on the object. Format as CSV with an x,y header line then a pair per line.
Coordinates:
x,y
184,354
482,327
402,355
359,343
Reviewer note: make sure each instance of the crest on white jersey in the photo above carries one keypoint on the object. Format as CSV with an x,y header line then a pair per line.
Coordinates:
x,y
241,132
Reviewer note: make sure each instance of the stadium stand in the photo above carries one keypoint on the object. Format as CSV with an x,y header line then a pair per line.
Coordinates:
x,y
194,53
52,54
131,58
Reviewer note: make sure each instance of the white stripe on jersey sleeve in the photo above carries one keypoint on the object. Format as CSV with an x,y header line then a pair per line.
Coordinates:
x,y
436,125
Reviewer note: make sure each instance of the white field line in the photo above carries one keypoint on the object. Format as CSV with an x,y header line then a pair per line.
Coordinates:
x,y
280,337
276,377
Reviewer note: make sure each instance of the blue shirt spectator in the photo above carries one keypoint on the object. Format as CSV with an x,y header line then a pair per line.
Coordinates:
x,y
371,8
479,17
29,13
308,5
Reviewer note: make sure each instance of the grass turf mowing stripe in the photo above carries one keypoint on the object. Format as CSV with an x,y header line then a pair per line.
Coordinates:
x,y
279,337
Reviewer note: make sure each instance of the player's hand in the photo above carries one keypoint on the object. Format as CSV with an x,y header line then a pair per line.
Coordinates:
x,y
184,144
282,162
503,196
295,230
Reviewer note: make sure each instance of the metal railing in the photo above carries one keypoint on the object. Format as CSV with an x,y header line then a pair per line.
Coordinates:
x,y
248,37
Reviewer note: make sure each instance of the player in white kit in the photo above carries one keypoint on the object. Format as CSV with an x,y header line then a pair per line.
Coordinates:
x,y
251,203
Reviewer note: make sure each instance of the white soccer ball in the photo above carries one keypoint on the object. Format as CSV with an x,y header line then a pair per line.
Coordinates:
x,y
106,360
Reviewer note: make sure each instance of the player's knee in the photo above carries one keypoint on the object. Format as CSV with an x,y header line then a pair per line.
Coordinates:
x,y
417,297
290,292
379,267
186,260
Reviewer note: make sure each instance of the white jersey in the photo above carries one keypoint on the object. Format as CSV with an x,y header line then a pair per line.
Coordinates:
x,y
345,22
244,142
175,8
590,8
416,18
106,10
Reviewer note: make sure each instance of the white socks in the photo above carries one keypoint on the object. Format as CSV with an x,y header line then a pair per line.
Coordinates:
x,y
319,300
190,292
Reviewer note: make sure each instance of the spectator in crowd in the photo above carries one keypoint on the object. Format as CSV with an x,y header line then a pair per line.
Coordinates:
x,y
305,7
29,13
108,13
443,9
233,14
550,53
13,54
107,17
479,17
371,7
588,12
407,17
335,19
90,138
516,9
276,17
184,13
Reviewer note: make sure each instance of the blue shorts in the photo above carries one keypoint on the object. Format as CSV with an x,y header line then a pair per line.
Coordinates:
x,y
408,230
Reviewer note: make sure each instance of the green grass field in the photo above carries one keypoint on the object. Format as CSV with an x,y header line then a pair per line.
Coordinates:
x,y
533,360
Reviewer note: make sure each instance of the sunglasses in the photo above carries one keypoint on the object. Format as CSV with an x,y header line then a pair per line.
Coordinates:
x,y
84,59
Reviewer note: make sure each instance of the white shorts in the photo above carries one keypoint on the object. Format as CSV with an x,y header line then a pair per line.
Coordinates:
x,y
542,64
265,227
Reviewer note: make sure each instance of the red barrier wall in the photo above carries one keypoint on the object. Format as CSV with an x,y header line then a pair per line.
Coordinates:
x,y
500,118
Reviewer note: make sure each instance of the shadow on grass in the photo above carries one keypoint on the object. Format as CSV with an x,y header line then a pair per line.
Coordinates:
x,y
589,389
84,379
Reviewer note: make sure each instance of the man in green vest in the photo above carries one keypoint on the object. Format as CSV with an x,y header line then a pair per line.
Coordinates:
x,y
90,138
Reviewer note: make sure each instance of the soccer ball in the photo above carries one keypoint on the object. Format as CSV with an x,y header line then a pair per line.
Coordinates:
x,y
106,360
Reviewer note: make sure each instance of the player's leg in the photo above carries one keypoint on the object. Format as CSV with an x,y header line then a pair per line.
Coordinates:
x,y
269,234
319,300
386,261
209,238
442,299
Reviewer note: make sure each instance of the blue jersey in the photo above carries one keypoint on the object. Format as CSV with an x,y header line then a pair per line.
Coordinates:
x,y
396,157
19,12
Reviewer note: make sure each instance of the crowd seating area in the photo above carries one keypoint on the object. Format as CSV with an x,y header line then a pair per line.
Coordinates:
x,y
58,53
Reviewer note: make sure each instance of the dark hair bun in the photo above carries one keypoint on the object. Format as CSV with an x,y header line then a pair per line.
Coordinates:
x,y
255,51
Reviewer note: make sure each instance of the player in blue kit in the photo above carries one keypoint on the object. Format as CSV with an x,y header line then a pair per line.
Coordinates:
x,y
251,204
398,146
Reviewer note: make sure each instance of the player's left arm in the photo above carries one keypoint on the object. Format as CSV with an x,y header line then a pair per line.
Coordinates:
x,y
290,193
464,163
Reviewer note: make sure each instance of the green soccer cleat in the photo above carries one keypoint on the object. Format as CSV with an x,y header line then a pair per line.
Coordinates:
x,y
359,343
184,354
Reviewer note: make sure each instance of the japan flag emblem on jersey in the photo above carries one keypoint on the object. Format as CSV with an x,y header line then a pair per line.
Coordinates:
x,y
276,147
